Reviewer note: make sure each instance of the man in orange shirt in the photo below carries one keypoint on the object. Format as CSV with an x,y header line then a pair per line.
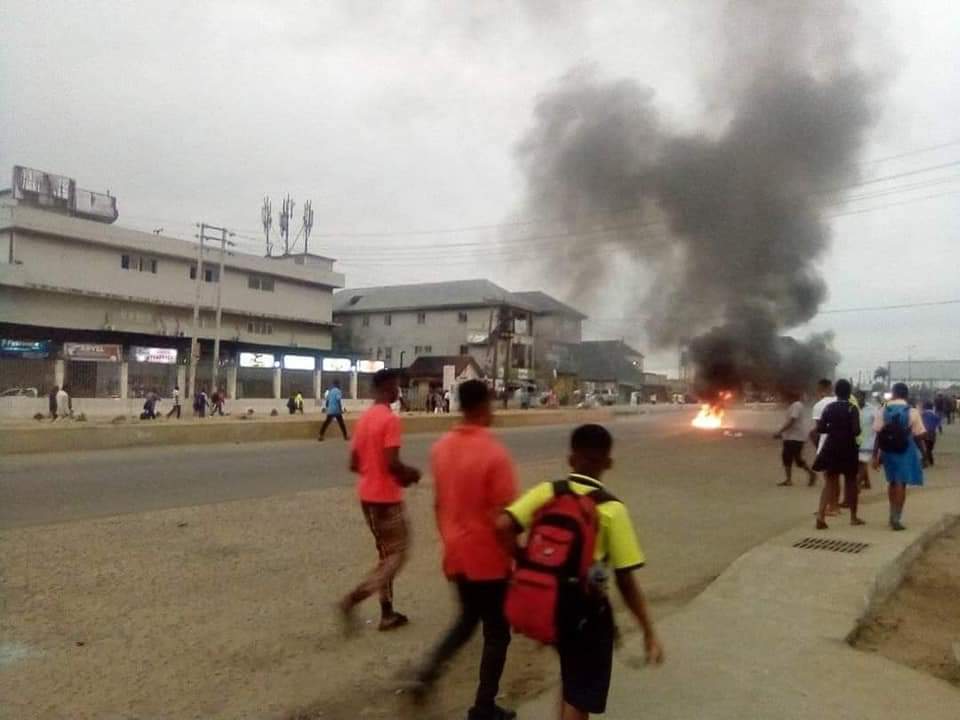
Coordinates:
x,y
375,456
474,480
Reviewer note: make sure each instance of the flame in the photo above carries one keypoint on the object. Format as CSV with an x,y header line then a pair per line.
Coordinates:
x,y
710,417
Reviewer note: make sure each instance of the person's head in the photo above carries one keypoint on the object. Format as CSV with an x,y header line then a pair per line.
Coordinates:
x,y
386,386
900,391
475,404
824,387
928,405
176,387
842,389
336,384
861,398
590,447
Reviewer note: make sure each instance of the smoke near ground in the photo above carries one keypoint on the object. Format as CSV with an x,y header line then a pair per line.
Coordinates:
x,y
731,219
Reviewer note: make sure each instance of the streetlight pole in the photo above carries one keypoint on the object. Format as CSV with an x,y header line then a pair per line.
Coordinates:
x,y
194,343
216,338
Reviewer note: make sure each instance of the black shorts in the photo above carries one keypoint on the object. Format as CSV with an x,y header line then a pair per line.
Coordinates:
x,y
792,452
586,662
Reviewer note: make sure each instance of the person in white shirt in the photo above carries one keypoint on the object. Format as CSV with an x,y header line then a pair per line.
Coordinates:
x,y
868,436
825,397
794,434
64,406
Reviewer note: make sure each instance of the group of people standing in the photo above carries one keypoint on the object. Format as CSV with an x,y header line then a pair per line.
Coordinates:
x,y
480,518
851,435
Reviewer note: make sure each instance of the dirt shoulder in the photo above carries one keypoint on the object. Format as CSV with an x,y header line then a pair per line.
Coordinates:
x,y
919,625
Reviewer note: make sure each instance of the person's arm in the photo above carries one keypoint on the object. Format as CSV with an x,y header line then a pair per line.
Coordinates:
x,y
354,462
507,532
791,421
402,473
637,604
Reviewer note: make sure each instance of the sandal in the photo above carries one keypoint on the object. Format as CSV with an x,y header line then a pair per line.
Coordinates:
x,y
392,622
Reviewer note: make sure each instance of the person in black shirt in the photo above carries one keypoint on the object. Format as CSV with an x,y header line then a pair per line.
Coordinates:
x,y
840,423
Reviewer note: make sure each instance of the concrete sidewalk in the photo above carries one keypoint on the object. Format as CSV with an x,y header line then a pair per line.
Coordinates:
x,y
768,639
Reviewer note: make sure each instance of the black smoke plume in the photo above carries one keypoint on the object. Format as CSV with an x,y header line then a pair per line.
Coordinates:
x,y
730,221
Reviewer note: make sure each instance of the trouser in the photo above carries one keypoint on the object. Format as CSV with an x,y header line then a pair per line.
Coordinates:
x,y
175,409
217,410
480,602
929,443
329,419
388,523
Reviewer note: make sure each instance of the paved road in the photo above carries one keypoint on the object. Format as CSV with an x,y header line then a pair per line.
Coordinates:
x,y
61,487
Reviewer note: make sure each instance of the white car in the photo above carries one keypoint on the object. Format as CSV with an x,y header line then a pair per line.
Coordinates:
x,y
20,392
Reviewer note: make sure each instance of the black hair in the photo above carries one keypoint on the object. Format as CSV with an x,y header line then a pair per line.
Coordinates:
x,y
336,383
842,389
928,405
591,438
824,383
473,394
382,377
900,391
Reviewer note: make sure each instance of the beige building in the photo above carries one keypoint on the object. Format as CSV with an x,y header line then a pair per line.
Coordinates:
x,y
108,311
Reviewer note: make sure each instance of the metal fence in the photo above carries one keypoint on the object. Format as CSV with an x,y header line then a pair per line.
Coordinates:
x,y
86,379
150,377
255,383
26,377
293,381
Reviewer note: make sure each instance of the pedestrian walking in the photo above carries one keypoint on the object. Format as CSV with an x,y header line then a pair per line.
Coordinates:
x,y
899,447
868,436
932,423
794,434
559,595
149,407
176,402
298,399
52,401
839,425
64,403
216,402
474,480
825,396
333,406
200,402
375,457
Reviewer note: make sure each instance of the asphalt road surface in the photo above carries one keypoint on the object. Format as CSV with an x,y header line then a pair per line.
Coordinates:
x,y
60,487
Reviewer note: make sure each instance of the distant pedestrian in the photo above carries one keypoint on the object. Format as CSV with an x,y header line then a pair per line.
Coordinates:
x,y
839,426
794,435
474,481
200,402
64,403
149,407
933,424
52,401
292,403
899,446
375,457
299,400
825,396
176,402
868,436
216,403
333,406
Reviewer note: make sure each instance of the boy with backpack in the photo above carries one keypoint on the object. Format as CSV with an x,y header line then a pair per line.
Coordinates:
x,y
577,533
899,446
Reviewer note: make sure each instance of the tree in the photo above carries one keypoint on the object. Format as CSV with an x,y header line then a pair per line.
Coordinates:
x,y
881,373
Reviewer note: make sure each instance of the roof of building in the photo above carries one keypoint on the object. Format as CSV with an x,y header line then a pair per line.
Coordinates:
x,y
451,294
432,365
544,304
609,361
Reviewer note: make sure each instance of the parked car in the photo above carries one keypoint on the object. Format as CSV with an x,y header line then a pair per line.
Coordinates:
x,y
30,392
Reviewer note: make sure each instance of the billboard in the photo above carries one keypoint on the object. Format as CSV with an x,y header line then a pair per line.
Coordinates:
x,y
49,190
160,356
257,360
95,206
93,352
925,370
26,349
331,364
370,366
299,362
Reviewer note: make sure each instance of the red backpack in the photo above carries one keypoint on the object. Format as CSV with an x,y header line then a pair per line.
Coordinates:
x,y
550,589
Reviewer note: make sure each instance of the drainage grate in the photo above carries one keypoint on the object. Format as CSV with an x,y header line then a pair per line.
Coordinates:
x,y
841,546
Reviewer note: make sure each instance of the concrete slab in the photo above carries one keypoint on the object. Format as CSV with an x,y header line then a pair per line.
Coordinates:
x,y
768,639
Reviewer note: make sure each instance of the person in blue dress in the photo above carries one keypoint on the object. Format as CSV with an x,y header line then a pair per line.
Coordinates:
x,y
899,447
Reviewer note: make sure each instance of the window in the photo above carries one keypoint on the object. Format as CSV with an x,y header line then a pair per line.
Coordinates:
x,y
461,317
210,274
258,282
366,321
125,262
464,349
421,318
388,319
153,266
422,349
258,327
379,353
388,354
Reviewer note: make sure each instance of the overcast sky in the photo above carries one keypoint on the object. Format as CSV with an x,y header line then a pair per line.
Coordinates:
x,y
404,116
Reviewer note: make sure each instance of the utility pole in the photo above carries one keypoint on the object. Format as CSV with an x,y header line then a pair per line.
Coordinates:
x,y
307,225
216,338
266,216
506,331
191,389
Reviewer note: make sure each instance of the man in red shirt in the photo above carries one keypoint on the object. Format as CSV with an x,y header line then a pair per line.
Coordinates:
x,y
375,456
474,480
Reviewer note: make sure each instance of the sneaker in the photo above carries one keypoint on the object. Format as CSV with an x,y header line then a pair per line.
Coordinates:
x,y
392,622
896,526
498,713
